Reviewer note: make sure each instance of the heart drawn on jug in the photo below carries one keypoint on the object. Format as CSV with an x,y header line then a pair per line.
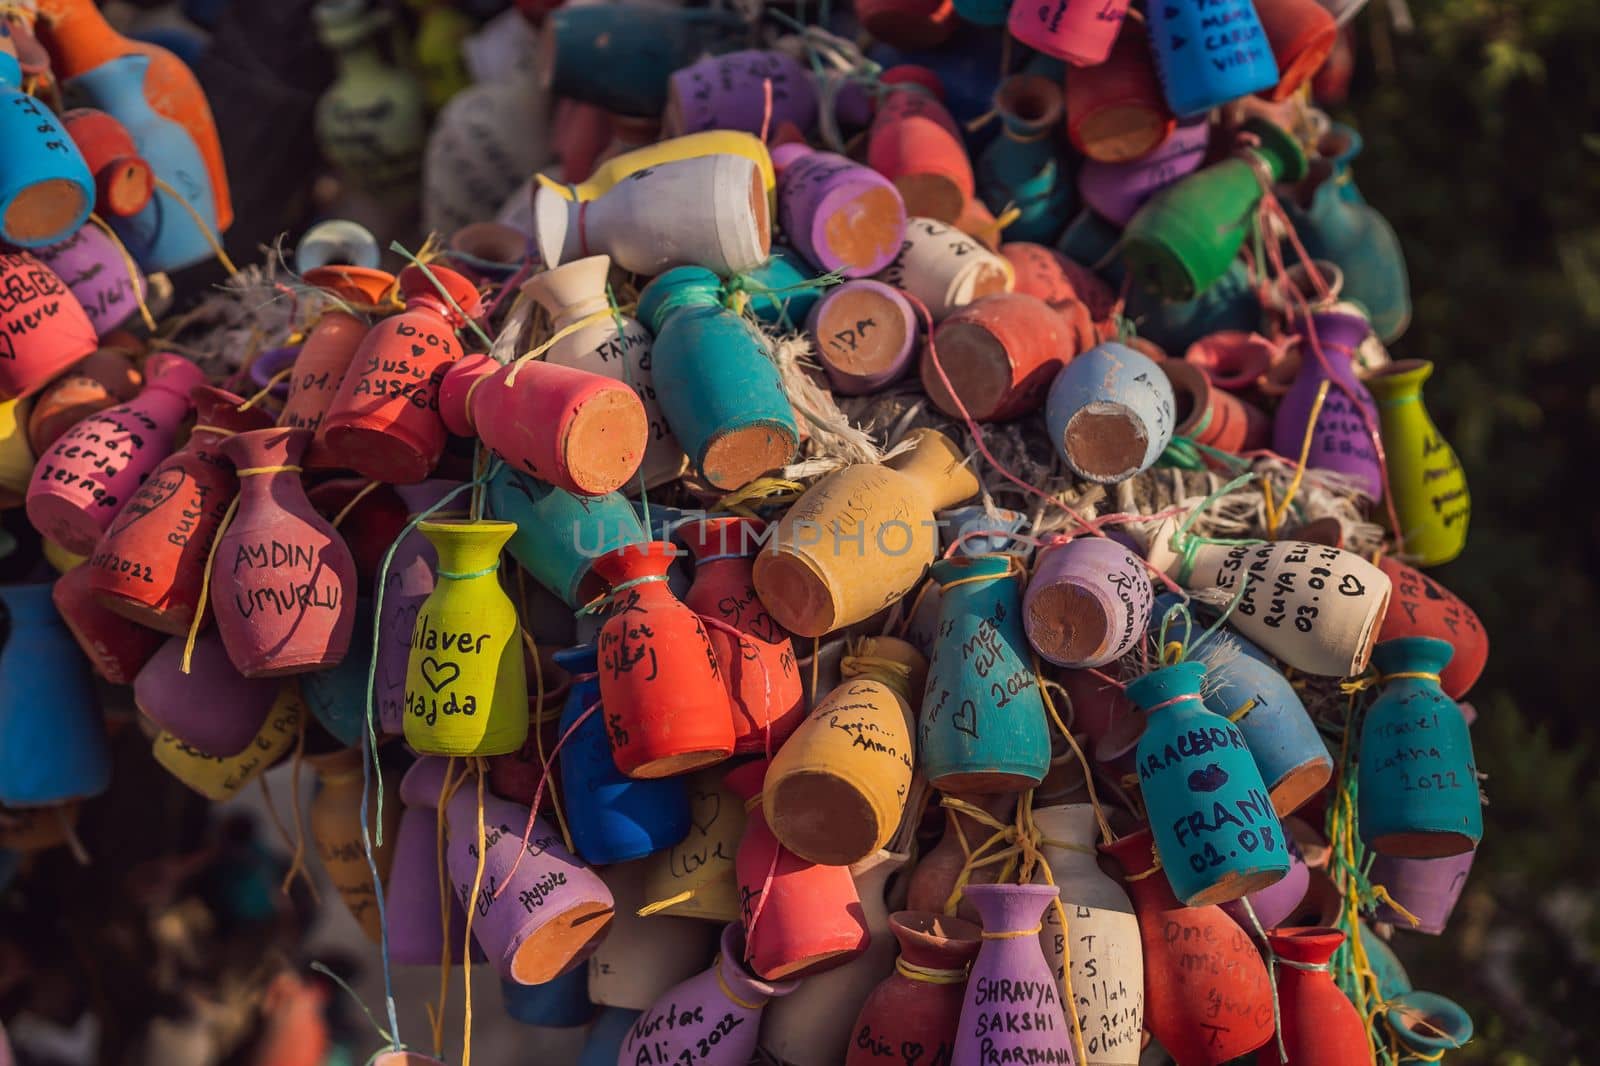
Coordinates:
x,y
1350,585
438,674
966,719
711,804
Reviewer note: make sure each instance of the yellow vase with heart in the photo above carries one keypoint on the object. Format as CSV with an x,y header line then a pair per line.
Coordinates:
x,y
466,689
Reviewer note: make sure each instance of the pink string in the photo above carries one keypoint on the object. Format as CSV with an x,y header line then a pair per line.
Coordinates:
x,y
766,113
513,284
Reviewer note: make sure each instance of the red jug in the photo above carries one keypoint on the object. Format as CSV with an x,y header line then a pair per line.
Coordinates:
x,y
1320,1026
43,328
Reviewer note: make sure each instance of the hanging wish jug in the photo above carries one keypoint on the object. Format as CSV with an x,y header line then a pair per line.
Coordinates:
x,y
1211,416
759,665
1023,168
1186,236
384,423
1115,191
46,189
482,146
466,692
43,328
151,562
1207,996
560,535
1012,1010
915,1010
695,878
1278,902
800,918
1421,607
284,588
1427,889
667,707
1202,67
1317,1021
339,698
729,92
864,332
1100,941
836,791
92,469
721,392
718,1010
861,537
608,173
915,143
935,883
124,182
219,778
1417,780
1111,413
100,279
232,707
335,820
612,817
839,215
710,211
1115,109
982,727
1080,31
1426,482
115,647
1343,428
585,335
407,584
943,268
1215,828
998,355
1087,603
52,732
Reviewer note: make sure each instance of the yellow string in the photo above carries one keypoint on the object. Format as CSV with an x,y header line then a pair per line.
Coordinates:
x,y
1083,760
928,975
1014,934
1386,678
593,318
538,732
722,983
205,229
266,389
775,489
1013,569
1248,706
1275,518
298,864
251,471
205,587
131,266
472,908
355,501
1147,873
447,790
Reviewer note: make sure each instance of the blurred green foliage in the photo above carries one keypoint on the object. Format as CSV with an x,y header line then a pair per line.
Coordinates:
x,y
1482,129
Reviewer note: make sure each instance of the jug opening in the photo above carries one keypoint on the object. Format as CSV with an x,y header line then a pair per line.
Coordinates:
x,y
44,210
561,944
1068,622
827,815
1106,440
931,196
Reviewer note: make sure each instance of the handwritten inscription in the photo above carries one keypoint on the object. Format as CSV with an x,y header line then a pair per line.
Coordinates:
x,y
677,1036
1024,1013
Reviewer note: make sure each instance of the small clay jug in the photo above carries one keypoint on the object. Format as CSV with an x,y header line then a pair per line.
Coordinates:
x,y
914,1011
1317,1022
407,584
1421,607
230,715
104,378
1012,1009
116,648
1088,602
695,878
335,818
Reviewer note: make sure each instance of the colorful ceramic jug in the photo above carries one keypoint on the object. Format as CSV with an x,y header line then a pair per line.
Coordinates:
x,y
1215,828
543,920
1186,236
800,918
720,390
1344,230
1301,34
370,122
864,333
466,693
783,290
934,884
483,145
1317,1022
52,732
1211,416
729,92
915,143
673,149
1246,687
1115,191
709,211
284,598
1012,1009
559,535
219,778
914,1012
836,791
385,424
1201,67
1426,482
43,328
1421,607
116,648
1115,109
667,706
94,468
839,215
407,584
579,431
860,538
1080,31
329,348
335,820
612,817
1316,608
229,717
757,661
124,182
943,268
1278,902
585,335
1100,941
644,956
100,279
812,1027
1111,413
417,900
982,727
1428,1024
1428,889
339,698
103,378
46,188
1342,432
436,49
718,1010
151,562
1087,603
695,878
1418,783
164,236
999,355
1023,168
1207,996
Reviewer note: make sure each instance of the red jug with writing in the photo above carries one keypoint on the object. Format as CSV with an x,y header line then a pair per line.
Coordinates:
x,y
763,682
284,583
665,704
1320,1026
94,468
43,328
385,423
115,647
1207,997
1421,607
150,564
911,1016
800,918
